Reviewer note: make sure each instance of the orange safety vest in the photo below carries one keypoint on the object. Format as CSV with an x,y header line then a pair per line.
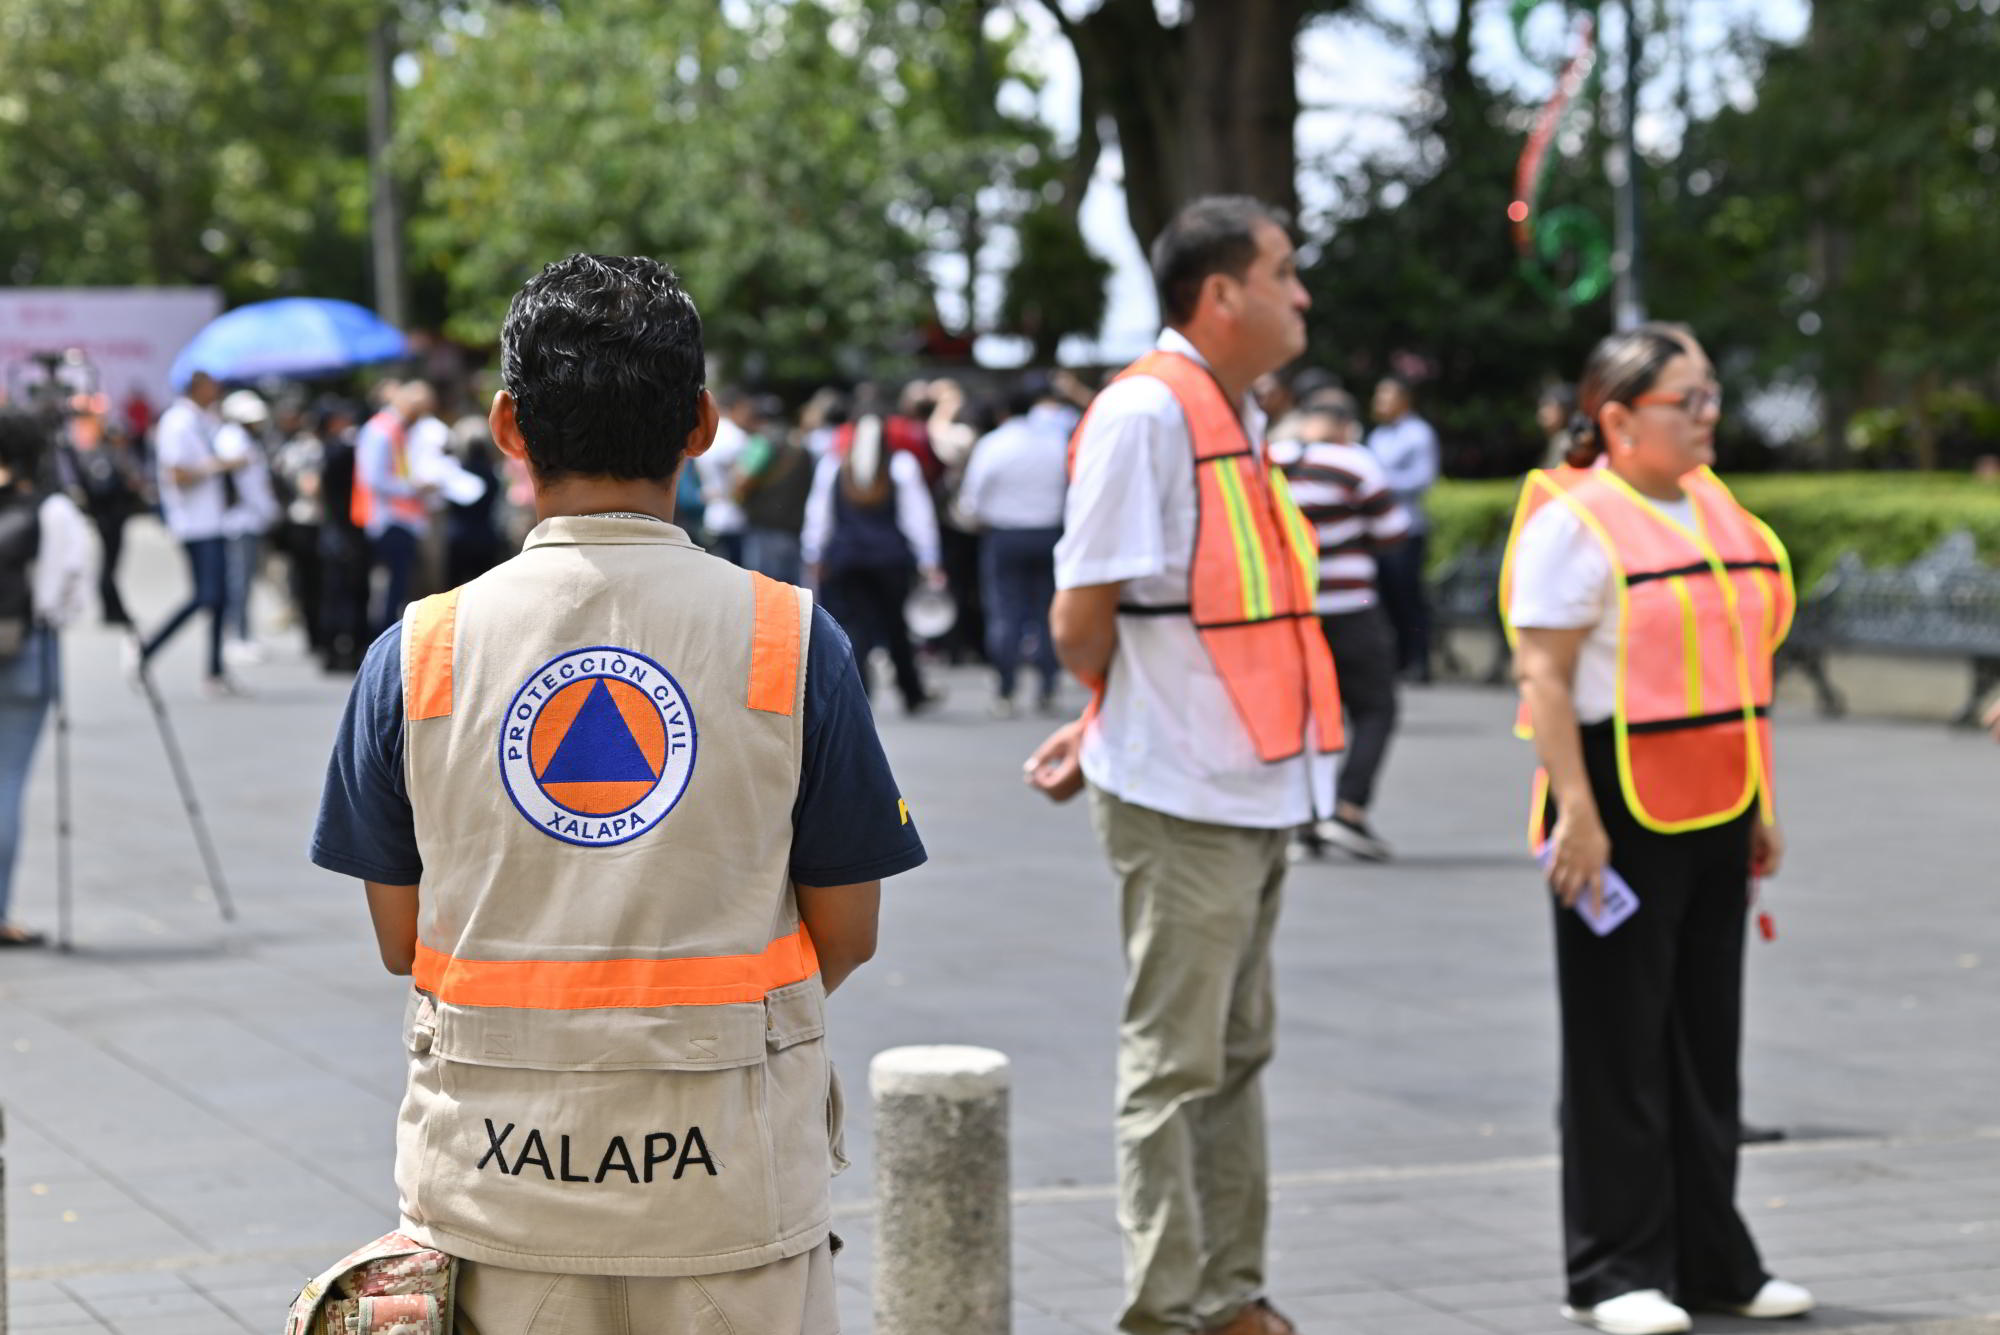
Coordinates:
x,y
1702,612
361,503
1254,576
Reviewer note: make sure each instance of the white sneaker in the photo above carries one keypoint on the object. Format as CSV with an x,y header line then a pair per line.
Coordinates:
x,y
1778,1297
1640,1312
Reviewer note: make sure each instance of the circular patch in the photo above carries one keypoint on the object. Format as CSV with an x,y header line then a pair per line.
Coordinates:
x,y
598,745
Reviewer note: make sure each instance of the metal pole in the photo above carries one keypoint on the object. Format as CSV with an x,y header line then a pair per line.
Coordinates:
x,y
385,211
186,784
52,672
1629,298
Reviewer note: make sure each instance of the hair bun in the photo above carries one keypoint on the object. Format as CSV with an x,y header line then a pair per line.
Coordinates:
x,y
1583,428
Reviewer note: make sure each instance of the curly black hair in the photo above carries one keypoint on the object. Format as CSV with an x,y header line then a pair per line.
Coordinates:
x,y
603,355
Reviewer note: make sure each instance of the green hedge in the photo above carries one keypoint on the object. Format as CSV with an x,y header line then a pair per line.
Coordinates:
x,y
1888,518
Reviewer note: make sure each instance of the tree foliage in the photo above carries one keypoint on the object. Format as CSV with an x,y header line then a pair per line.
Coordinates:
x,y
799,163
176,141
1840,229
1418,274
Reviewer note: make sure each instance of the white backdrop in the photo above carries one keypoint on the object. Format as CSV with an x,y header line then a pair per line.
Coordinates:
x,y
131,333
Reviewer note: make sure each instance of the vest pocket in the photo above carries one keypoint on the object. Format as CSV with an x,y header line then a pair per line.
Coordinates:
x,y
801,1104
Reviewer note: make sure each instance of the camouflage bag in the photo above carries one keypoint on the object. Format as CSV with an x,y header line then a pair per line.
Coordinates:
x,y
392,1286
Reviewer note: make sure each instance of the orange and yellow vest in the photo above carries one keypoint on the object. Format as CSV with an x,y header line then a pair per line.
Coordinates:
x,y
615,1037
1702,612
1254,577
362,501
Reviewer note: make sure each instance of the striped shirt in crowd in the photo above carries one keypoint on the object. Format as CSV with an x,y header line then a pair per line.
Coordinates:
x,y
1346,497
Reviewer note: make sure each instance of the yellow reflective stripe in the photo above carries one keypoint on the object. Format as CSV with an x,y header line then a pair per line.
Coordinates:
x,y
1249,556
1304,538
1784,557
1690,646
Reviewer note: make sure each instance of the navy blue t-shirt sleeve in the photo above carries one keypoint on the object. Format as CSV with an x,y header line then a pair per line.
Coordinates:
x,y
850,823
366,828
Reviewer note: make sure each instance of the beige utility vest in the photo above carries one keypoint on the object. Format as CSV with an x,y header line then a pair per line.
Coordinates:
x,y
616,1062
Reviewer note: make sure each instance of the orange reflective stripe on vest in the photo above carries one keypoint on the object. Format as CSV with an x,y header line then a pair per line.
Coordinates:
x,y
1701,612
774,645
430,629
1254,576
714,980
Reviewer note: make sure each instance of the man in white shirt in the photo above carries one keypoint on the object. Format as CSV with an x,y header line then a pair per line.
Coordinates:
x,y
194,495
1407,448
722,514
1013,489
1195,822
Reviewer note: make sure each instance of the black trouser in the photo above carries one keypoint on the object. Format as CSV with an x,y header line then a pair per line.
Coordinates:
x,y
343,595
110,524
302,574
1400,579
1652,1021
1364,659
867,601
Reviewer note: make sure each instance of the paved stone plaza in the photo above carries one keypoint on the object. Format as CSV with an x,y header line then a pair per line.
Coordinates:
x,y
198,1116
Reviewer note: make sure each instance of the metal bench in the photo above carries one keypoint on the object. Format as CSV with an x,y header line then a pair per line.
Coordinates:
x,y
1466,596
1944,604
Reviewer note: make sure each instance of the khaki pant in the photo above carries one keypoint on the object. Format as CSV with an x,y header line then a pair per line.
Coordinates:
x,y
1199,903
789,1297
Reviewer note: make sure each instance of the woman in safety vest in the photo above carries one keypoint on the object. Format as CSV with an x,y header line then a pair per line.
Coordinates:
x,y
1646,605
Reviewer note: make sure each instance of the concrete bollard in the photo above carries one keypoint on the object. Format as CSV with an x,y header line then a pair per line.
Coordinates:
x,y
942,1226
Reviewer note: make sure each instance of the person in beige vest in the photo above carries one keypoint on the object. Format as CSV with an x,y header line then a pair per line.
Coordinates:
x,y
623,816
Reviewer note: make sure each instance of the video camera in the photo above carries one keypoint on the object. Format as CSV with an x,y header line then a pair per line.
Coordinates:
x,y
56,386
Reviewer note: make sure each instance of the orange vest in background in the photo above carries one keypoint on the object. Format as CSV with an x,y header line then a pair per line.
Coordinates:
x,y
1254,575
361,503
1702,613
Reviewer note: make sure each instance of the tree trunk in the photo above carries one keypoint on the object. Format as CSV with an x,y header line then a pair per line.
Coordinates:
x,y
1204,106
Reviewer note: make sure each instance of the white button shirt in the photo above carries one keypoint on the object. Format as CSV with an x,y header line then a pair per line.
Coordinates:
x,y
1167,736
185,438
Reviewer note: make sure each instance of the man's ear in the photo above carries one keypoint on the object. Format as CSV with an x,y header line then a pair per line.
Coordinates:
x,y
705,419
1219,291
506,427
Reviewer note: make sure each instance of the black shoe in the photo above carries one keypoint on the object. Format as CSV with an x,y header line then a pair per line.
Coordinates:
x,y
1353,837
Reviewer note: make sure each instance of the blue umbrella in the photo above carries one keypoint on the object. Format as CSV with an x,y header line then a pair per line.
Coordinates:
x,y
293,336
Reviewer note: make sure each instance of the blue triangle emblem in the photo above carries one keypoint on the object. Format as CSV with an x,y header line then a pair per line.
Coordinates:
x,y
598,748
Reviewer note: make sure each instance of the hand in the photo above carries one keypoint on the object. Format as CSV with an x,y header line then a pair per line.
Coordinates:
x,y
1055,770
1581,850
1991,718
1767,848
933,578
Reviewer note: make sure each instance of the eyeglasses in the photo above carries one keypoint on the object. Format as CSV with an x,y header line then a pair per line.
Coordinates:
x,y
1694,402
